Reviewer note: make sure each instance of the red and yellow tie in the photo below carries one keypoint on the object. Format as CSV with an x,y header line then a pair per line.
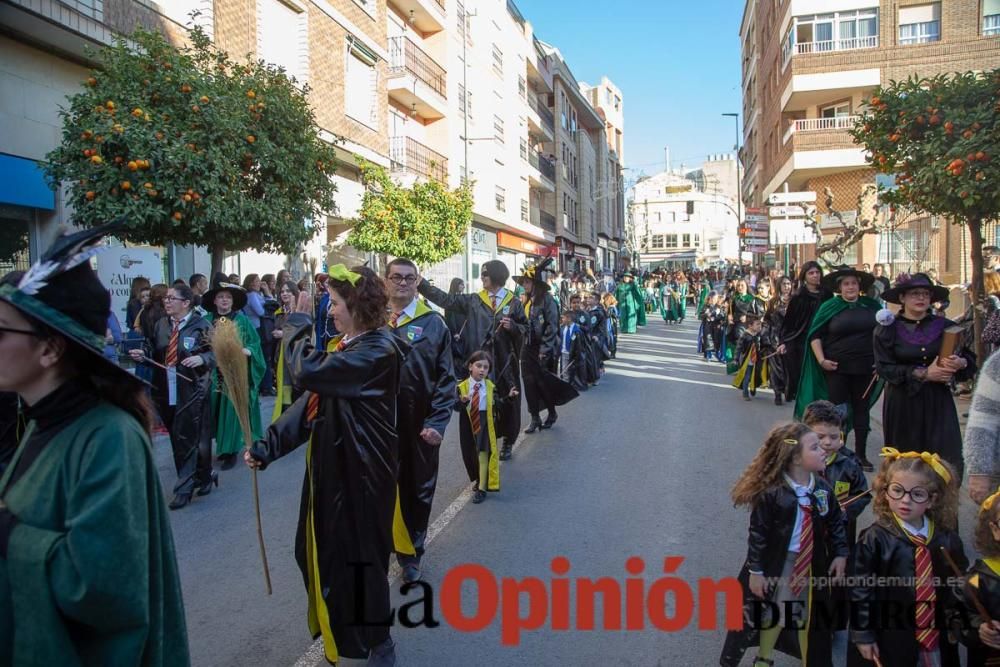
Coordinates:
x,y
926,596
800,570
493,302
312,407
394,318
474,410
171,359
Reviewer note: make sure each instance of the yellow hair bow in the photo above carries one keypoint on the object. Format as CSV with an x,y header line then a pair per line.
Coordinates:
x,y
988,503
933,460
343,274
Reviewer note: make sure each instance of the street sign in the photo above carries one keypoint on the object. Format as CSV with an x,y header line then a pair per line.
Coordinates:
x,y
792,211
779,198
755,218
791,232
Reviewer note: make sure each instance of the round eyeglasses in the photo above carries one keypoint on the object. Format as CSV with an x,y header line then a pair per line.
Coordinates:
x,y
918,494
399,280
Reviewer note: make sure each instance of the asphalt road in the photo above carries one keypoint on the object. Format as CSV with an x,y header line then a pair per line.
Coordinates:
x,y
640,466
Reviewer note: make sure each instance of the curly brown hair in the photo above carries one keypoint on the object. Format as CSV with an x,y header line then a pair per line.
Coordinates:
x,y
985,543
943,510
367,300
772,460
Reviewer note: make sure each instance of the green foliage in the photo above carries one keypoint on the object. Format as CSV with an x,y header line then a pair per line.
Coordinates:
x,y
194,148
426,223
940,138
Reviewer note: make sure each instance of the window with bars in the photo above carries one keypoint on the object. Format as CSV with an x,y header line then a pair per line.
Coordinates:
x,y
524,210
498,128
522,87
460,18
497,60
501,197
524,148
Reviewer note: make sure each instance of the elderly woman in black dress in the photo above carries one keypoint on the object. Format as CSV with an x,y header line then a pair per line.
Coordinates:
x,y
918,412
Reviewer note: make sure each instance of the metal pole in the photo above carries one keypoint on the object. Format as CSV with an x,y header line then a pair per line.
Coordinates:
x,y
465,141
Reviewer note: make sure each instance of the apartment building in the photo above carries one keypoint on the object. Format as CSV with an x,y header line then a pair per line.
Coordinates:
x,y
606,98
338,47
807,67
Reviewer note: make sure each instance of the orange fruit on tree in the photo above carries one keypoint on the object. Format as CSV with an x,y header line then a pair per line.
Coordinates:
x,y
968,134
178,215
91,81
96,159
251,94
90,195
137,112
251,138
110,105
203,99
186,198
185,88
133,165
126,185
86,134
148,186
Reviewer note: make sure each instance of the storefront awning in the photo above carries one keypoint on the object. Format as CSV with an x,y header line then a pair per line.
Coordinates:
x,y
22,183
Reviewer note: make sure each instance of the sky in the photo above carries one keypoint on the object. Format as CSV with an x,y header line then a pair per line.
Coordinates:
x,y
677,63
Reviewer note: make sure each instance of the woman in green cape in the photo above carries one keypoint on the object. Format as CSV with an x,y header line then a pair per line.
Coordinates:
x,y
840,358
88,574
631,307
226,300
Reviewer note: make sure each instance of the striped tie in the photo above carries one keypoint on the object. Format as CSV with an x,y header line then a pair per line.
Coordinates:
x,y
927,634
493,302
312,407
171,359
474,410
800,571
393,319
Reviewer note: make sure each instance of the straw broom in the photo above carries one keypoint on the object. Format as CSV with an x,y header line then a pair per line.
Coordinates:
x,y
232,364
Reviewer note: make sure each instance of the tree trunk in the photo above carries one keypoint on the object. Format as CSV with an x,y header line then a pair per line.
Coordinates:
x,y
978,288
218,255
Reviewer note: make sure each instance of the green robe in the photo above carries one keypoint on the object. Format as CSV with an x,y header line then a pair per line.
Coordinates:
x,y
90,576
812,382
631,307
673,301
703,297
228,436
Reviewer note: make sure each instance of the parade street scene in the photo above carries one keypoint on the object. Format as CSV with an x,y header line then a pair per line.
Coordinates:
x,y
348,332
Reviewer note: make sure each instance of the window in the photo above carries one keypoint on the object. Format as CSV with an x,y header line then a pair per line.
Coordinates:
x,y
686,240
282,37
920,24
524,148
522,87
562,110
497,60
501,196
697,240
460,19
841,110
572,120
657,242
670,241
837,31
461,100
713,245
360,90
498,128
524,210
991,17
690,208
658,217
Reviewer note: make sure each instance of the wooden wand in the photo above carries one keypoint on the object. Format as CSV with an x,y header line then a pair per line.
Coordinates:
x,y
870,385
849,501
159,365
972,594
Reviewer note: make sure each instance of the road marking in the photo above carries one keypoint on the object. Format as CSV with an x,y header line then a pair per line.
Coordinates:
x,y
315,655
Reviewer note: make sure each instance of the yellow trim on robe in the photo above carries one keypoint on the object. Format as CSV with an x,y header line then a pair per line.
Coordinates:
x,y
993,564
318,614
284,391
421,309
493,474
485,297
738,380
401,542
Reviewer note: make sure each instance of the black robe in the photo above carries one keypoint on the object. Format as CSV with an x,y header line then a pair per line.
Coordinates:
x,y
983,583
189,422
426,394
919,416
591,365
772,522
774,318
575,370
599,333
794,332
483,332
884,551
540,359
350,481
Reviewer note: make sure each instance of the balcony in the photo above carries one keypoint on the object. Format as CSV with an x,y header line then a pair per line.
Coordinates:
x,y
816,147
416,81
546,221
428,15
820,125
827,46
412,156
543,171
542,119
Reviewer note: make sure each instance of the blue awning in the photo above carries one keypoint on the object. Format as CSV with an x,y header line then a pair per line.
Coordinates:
x,y
22,183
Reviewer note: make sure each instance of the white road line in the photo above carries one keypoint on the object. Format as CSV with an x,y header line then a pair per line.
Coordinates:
x,y
315,655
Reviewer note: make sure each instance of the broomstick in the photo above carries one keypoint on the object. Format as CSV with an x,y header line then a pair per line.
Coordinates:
x,y
159,365
972,595
870,385
850,501
232,364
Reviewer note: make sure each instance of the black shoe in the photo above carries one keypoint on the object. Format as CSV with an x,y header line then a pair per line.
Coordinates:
x,y
865,464
505,452
206,488
535,424
180,500
227,461
746,396
383,655
777,399
550,419
411,572
478,496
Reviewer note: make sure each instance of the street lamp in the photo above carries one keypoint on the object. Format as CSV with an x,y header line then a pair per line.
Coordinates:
x,y
739,187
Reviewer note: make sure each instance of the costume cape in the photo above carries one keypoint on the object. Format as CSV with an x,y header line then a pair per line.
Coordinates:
x,y
470,455
812,382
228,435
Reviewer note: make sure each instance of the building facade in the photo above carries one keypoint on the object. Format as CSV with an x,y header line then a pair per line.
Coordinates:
x,y
808,67
606,98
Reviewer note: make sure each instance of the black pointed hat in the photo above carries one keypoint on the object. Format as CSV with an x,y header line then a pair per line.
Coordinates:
x,y
63,292
538,273
220,283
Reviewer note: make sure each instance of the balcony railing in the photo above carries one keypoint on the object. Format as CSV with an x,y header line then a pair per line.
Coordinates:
x,y
411,155
820,125
548,118
829,46
546,221
542,164
404,55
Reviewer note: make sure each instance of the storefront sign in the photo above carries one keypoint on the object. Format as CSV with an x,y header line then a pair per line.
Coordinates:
x,y
527,246
117,267
484,241
583,251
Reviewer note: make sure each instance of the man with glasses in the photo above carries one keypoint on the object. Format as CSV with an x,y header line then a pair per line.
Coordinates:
x,y
183,360
424,405
495,323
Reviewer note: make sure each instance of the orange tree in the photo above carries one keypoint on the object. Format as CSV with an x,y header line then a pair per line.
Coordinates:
x,y
194,148
426,223
939,137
